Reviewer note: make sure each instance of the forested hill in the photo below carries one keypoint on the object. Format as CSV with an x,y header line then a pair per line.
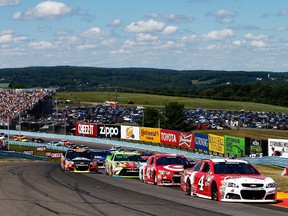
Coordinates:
x,y
264,87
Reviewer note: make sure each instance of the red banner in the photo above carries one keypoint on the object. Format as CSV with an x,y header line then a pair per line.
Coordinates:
x,y
186,140
86,129
169,137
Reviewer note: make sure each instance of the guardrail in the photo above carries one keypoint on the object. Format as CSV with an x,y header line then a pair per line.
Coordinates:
x,y
268,160
18,155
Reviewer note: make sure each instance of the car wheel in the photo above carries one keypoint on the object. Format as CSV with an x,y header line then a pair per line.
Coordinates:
x,y
155,179
214,192
188,187
110,172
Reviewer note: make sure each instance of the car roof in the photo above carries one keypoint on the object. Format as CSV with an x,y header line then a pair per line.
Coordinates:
x,y
126,152
169,155
218,160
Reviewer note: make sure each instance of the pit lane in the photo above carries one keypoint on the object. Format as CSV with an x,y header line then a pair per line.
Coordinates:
x,y
42,188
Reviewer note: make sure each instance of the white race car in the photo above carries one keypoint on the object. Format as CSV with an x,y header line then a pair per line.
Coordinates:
x,y
228,180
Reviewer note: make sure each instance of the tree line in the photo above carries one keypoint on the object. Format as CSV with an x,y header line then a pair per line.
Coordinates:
x,y
260,86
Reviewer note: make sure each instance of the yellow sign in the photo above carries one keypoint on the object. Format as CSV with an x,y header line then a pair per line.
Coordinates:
x,y
150,134
216,143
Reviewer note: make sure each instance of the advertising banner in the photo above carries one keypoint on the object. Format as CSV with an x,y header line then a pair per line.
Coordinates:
x,y
278,147
86,129
150,134
201,142
169,137
130,133
216,143
234,145
186,140
109,131
41,148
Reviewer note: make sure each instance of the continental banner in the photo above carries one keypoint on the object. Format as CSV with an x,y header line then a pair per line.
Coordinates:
x,y
234,145
278,147
150,134
216,143
130,133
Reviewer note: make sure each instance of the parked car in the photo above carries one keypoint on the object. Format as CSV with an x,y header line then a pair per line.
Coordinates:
x,y
37,140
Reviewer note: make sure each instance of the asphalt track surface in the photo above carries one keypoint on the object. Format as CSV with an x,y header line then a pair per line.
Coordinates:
x,y
42,188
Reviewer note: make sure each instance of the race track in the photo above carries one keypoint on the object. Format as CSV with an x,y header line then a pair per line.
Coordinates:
x,y
42,188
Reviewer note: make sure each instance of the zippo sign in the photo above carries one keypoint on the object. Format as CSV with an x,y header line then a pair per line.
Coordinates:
x,y
85,129
109,131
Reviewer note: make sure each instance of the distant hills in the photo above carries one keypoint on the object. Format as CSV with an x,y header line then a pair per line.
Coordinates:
x,y
262,87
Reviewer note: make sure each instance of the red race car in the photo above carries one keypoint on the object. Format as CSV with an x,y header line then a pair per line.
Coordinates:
x,y
165,169
228,180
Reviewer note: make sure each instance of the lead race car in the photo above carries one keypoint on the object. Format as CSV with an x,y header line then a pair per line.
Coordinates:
x,y
228,180
79,160
123,164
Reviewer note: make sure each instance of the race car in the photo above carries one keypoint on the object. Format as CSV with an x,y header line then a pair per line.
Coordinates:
x,y
79,160
145,155
100,155
21,138
123,164
164,169
228,180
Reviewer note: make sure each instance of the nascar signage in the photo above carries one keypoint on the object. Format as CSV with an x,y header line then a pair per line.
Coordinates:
x,y
201,142
234,145
278,147
109,131
150,134
216,143
186,140
130,132
169,137
86,129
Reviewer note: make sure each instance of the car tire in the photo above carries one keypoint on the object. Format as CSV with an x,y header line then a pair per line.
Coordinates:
x,y
214,192
155,179
110,172
188,187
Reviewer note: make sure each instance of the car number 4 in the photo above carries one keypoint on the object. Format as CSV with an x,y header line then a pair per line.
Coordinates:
x,y
201,183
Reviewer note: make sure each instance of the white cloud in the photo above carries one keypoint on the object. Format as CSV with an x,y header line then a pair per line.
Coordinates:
x,y
141,37
47,9
172,17
281,28
119,51
93,32
238,42
8,36
259,44
40,45
219,35
115,22
9,2
283,12
168,30
86,46
250,36
142,26
223,15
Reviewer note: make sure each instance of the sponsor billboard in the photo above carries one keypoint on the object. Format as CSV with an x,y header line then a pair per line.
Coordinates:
x,y
234,145
201,142
186,140
109,131
85,129
278,147
130,132
169,137
150,134
216,143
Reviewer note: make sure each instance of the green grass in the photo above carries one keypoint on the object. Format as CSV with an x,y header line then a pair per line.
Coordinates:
x,y
88,98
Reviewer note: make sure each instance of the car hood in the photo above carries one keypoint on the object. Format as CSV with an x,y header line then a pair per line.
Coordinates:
x,y
247,178
81,159
173,168
127,164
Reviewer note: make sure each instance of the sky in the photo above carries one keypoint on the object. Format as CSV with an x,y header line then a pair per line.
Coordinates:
x,y
232,35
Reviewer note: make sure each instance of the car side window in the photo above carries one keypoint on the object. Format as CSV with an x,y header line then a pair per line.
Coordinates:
x,y
198,166
206,167
152,161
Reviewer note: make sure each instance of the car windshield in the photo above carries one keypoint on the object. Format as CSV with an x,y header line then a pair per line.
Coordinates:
x,y
172,160
126,157
101,153
73,154
234,168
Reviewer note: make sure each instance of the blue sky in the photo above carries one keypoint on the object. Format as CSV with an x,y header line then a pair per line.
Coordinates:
x,y
246,35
